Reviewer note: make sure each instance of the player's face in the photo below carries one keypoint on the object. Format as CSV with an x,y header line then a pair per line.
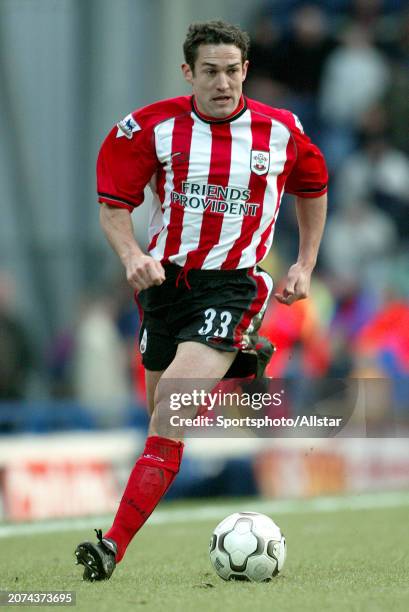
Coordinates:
x,y
217,80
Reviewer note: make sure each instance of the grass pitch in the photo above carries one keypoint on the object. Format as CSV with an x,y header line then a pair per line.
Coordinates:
x,y
348,560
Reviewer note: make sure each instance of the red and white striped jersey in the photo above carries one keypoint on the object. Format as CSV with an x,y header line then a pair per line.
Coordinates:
x,y
217,184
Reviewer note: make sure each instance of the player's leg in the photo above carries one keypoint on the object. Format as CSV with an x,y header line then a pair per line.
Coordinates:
x,y
195,364
151,380
237,305
99,559
160,461
158,349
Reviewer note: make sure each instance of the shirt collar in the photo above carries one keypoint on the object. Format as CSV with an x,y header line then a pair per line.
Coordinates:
x,y
238,111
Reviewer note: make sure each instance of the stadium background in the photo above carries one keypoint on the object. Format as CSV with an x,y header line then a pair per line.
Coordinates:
x,y
71,389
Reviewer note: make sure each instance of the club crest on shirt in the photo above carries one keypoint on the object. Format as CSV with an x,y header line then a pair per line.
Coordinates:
x,y
127,127
260,162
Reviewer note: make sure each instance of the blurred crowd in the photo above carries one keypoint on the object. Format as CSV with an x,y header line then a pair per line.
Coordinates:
x,y
343,67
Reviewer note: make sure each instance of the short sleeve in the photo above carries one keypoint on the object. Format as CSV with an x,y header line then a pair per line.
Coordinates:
x,y
126,162
308,177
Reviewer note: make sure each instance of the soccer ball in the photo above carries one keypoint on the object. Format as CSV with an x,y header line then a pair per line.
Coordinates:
x,y
247,546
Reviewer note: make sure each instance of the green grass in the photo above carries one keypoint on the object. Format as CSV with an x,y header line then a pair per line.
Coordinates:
x,y
337,561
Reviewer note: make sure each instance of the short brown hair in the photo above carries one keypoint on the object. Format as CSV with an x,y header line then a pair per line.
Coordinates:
x,y
215,32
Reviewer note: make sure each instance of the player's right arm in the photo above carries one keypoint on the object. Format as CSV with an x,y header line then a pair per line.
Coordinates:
x,y
142,271
126,163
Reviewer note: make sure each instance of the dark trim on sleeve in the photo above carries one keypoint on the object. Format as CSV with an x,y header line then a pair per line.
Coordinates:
x,y
314,190
116,199
309,193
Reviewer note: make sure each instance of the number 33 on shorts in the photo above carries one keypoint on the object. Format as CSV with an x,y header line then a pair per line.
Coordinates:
x,y
216,324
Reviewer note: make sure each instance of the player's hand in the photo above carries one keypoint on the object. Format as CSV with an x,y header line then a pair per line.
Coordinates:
x,y
297,285
143,271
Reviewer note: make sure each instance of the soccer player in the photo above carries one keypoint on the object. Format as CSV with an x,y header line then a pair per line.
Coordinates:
x,y
217,164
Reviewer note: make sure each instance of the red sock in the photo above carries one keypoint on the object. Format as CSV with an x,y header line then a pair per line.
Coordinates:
x,y
150,478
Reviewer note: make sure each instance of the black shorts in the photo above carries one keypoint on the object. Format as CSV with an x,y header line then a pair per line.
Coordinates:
x,y
220,308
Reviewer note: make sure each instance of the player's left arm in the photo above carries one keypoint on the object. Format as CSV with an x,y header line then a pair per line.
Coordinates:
x,y
307,181
311,215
